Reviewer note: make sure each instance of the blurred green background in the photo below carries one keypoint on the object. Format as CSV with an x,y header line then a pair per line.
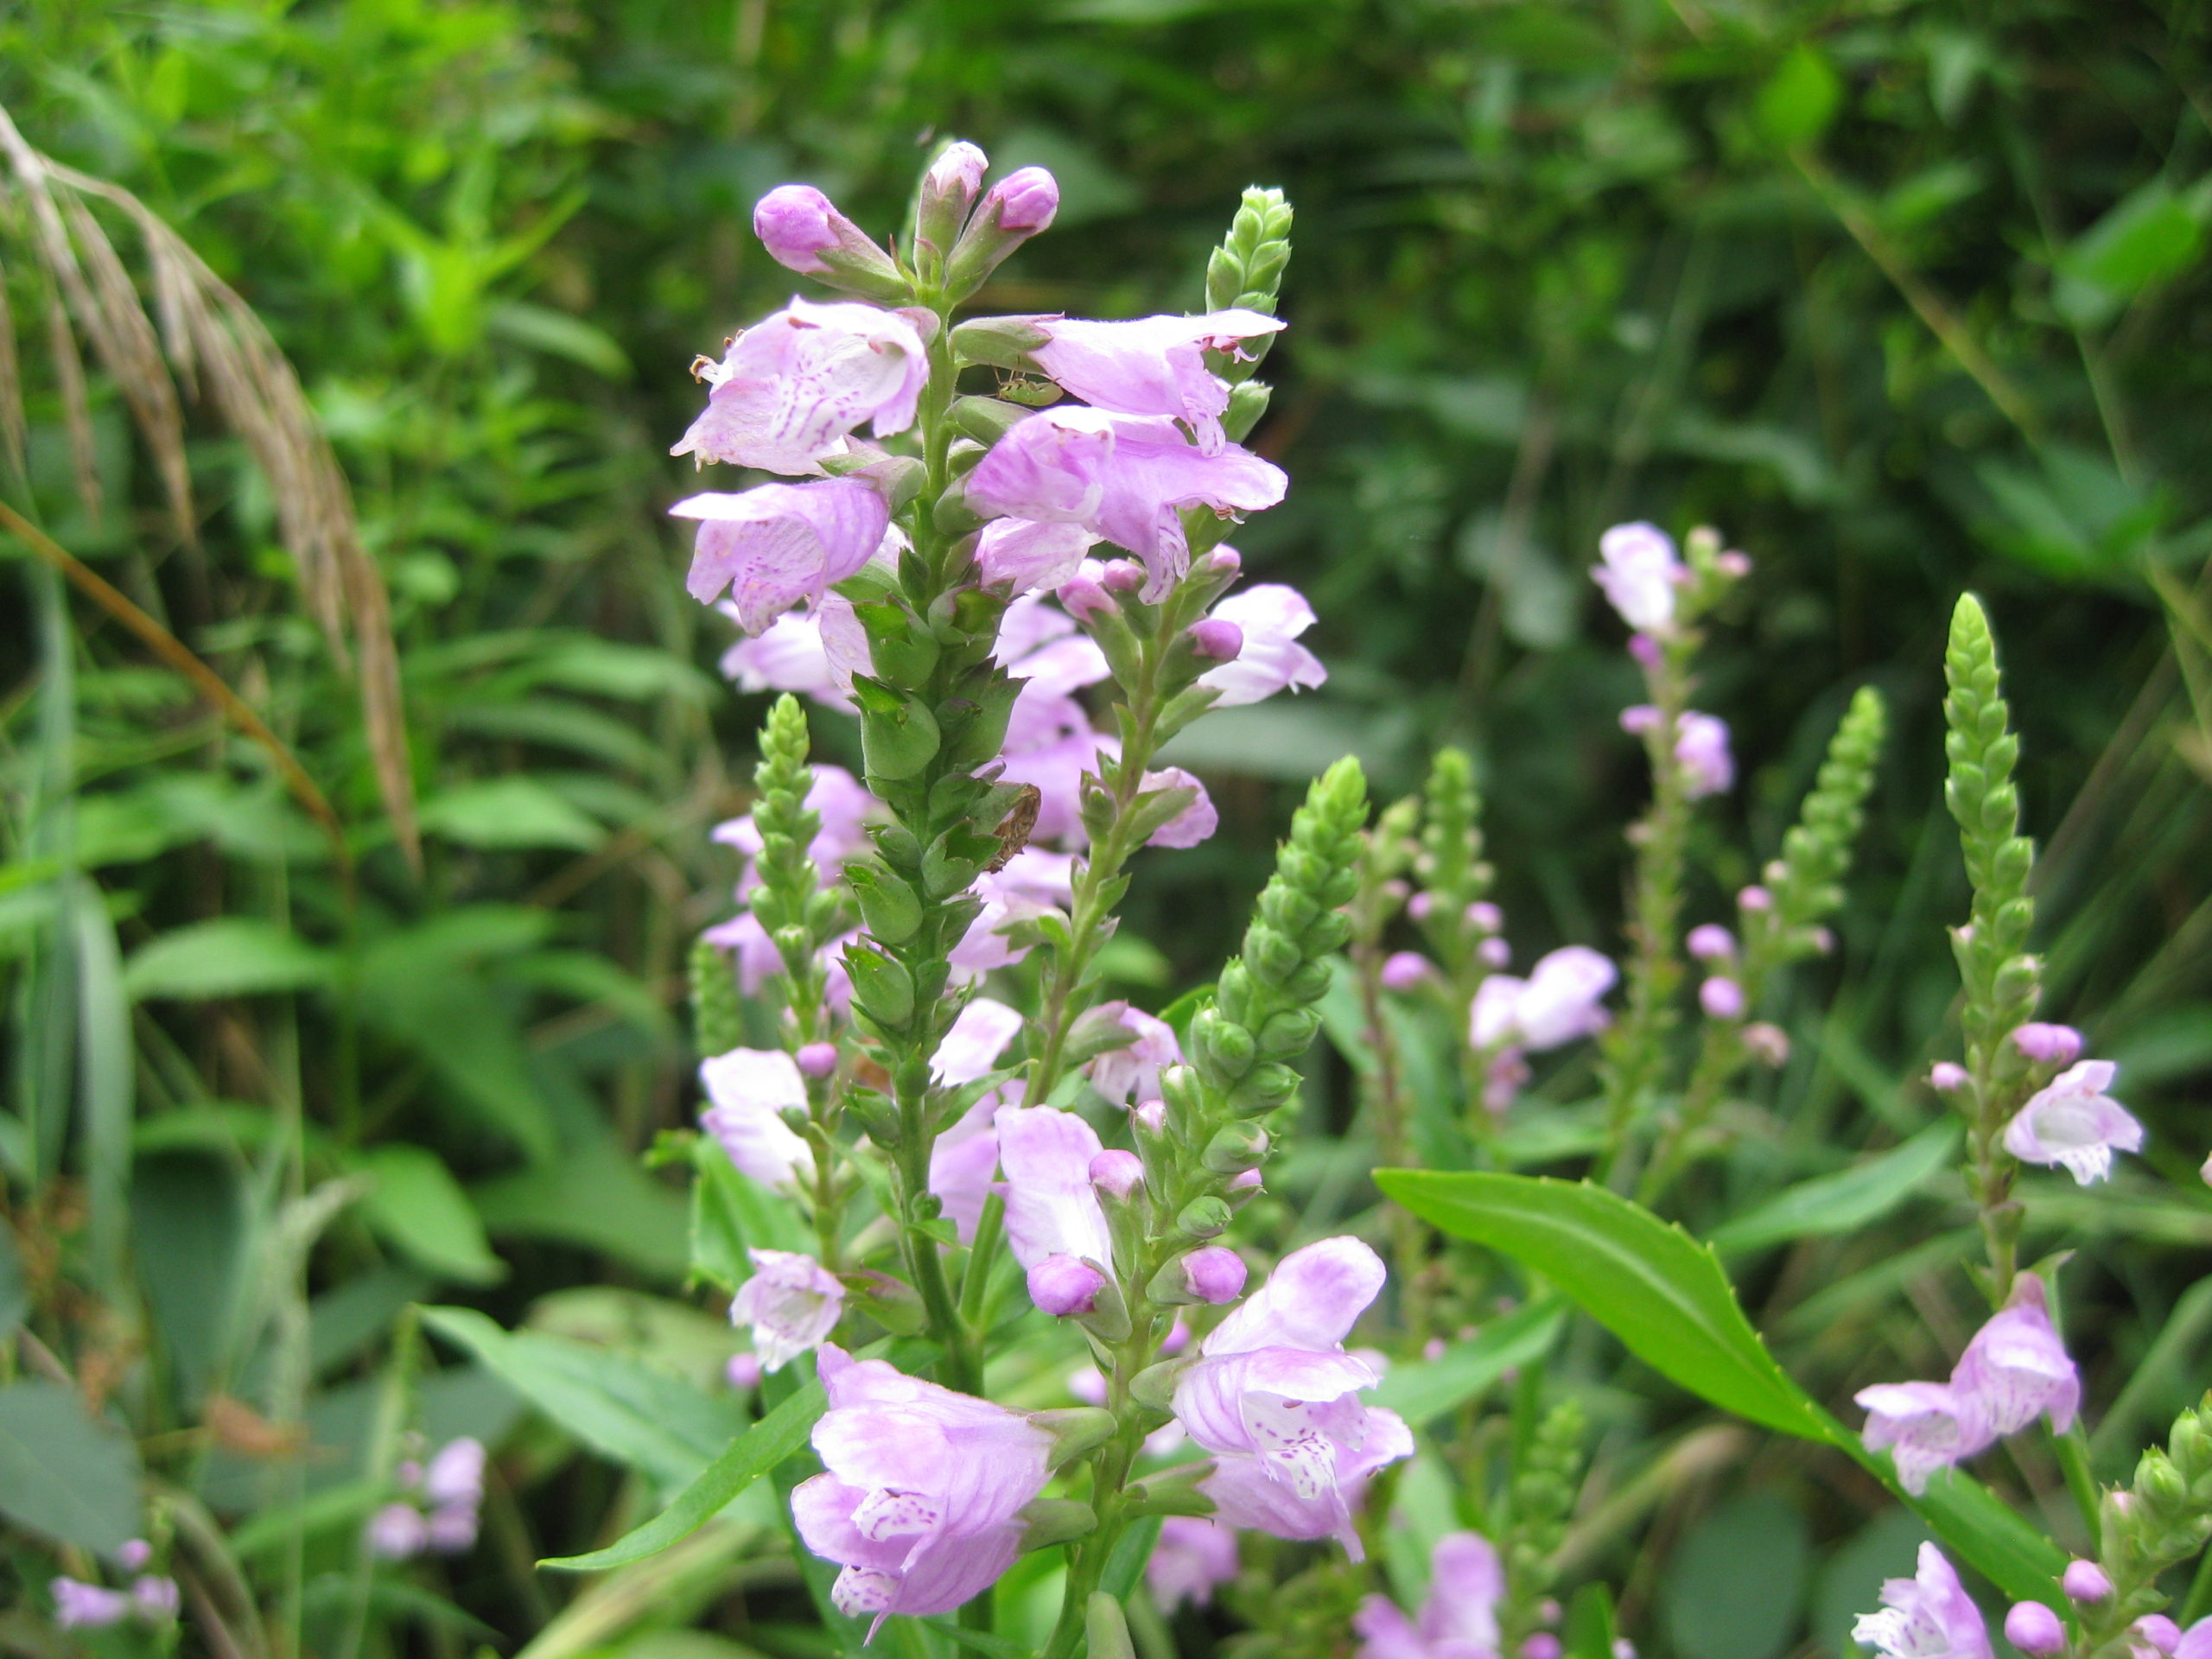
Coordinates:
x,y
1904,298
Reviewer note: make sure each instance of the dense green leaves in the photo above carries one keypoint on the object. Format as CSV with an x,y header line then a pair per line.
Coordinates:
x,y
62,1472
1845,1201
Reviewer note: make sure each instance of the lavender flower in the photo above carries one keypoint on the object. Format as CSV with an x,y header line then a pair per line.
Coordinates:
x,y
1062,1286
789,655
397,1531
1711,942
793,386
1026,555
1214,1274
1926,1426
1154,365
1640,573
1026,200
1927,1616
1460,1619
2075,1123
1274,1398
1721,998
804,232
1051,1207
1034,883
962,1163
1270,617
750,1088
2016,1369
792,1302
2047,1045
972,1047
2085,1581
1947,1077
1124,478
1558,1001
1701,751
1192,1556
777,544
80,1606
1195,823
2034,1630
1132,1073
455,1475
923,1489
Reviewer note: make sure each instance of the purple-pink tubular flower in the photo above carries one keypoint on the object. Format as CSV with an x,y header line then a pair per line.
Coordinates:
x,y
1274,1398
2075,1123
1640,573
1132,1073
792,386
1124,478
1402,970
1052,1209
1929,1615
1215,1274
1460,1619
1701,751
2085,1581
921,1490
80,1606
749,1091
1193,1554
1269,617
2196,1641
2047,1045
797,224
775,545
2034,1630
1215,639
1034,883
792,1302
788,656
2016,1369
1711,942
1721,998
978,1037
1195,823
1925,1426
455,1475
1025,200
957,174
1560,1000
1026,555
1153,365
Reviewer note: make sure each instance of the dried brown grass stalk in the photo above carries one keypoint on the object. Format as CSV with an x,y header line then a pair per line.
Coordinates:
x,y
215,344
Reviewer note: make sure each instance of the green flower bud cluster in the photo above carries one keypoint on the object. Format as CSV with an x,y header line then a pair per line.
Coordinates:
x,y
717,1018
2163,1518
1245,273
1807,880
1450,867
792,904
1541,1499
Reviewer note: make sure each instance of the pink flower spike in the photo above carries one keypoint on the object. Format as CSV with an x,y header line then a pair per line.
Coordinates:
x,y
2034,1630
1193,1554
1926,1426
922,1489
1061,1286
2049,1044
1711,942
792,387
1927,1616
1947,1077
1118,1174
2016,1369
1195,823
979,1035
1638,570
1721,999
778,544
750,1088
2085,1581
1269,618
1153,365
2075,1123
792,1302
1215,1274
1403,970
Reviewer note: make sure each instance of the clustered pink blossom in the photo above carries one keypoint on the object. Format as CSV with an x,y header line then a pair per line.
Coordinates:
x,y
1458,1620
439,1511
2073,1122
1700,748
1561,1000
2014,1370
1193,1555
792,1302
1640,573
152,1598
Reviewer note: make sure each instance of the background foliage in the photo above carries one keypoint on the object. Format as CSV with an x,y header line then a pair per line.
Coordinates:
x,y
1904,297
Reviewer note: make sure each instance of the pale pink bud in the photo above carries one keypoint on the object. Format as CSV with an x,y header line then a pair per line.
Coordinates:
x,y
1734,565
1644,649
1084,600
958,174
2034,1630
1755,898
743,1372
1122,576
1217,639
1224,561
1484,916
1623,1648
1214,1274
2161,1632
1061,1285
2049,1044
153,1599
1543,1645
1494,952
1405,970
1823,941
797,224
1711,942
1248,1180
1639,718
1432,1350
1721,999
1118,1174
1767,1045
817,1060
1947,1077
1026,199
1151,1116
134,1554
2085,1581
1548,1609
1420,905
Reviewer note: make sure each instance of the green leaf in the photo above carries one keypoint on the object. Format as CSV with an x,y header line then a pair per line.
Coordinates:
x,y
1845,1201
512,813
1425,1389
596,1196
558,333
62,1472
995,1647
15,1292
1800,99
659,1425
417,1205
1735,1587
2148,237
230,955
759,1449
1657,1289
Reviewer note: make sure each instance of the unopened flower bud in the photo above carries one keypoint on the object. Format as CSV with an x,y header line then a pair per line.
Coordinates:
x,y
1012,211
1217,639
1711,942
1150,1116
1734,565
1118,1174
743,1372
804,232
2047,1045
1122,576
1026,199
1623,1648
1205,1217
1063,1285
1245,1183
1947,1077
1236,1147
948,190
1224,561
2161,1632
1494,952
2034,1630
1721,998
817,1060
1404,969
1755,898
2205,1170
2085,1581
1434,1350
1484,916
1549,1610
1543,1645
1084,600
1420,905
1645,649
1214,1276
1767,1044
